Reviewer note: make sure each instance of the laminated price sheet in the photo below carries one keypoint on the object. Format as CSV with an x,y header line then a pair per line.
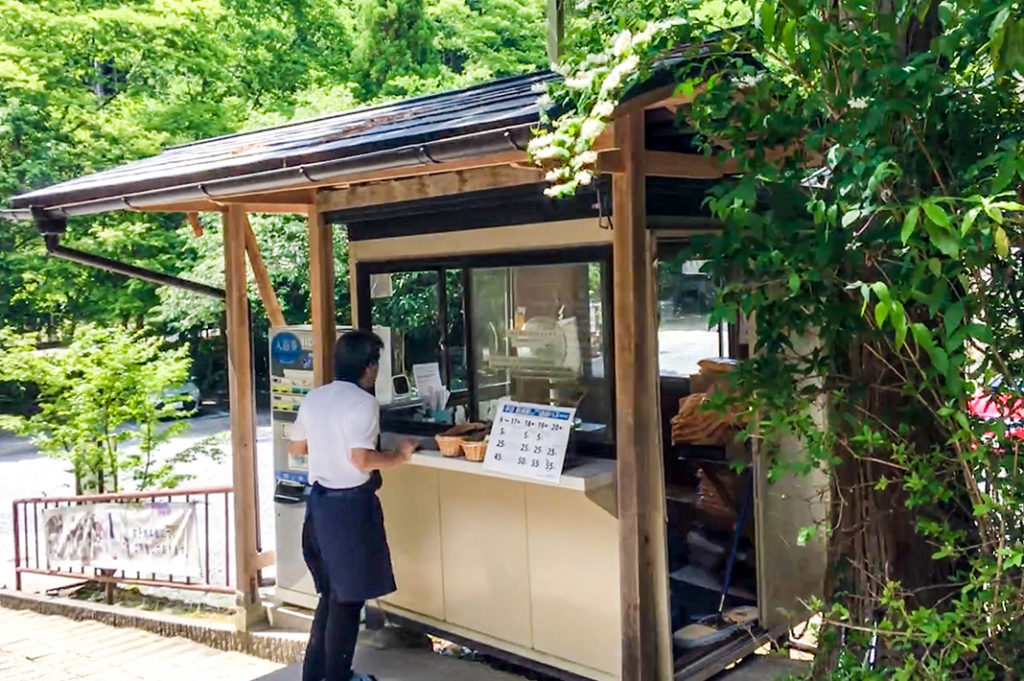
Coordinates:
x,y
529,440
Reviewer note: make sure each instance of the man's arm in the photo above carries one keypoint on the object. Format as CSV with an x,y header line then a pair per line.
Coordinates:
x,y
373,460
365,459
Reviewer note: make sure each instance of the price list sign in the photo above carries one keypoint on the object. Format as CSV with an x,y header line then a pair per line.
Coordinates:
x,y
529,440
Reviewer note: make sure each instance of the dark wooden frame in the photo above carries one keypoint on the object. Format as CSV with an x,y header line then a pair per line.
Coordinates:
x,y
601,254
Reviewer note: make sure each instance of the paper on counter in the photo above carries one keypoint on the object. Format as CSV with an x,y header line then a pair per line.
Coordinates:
x,y
427,377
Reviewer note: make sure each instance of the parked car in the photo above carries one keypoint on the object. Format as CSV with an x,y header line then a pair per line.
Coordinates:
x,y
184,398
992,404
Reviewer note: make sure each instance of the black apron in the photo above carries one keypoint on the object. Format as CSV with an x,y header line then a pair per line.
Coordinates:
x,y
344,544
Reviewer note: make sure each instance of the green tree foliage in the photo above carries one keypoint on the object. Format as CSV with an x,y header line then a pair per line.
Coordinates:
x,y
395,38
97,405
88,84
479,40
872,230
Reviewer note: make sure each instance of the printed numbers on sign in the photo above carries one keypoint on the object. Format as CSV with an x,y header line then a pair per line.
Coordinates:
x,y
529,440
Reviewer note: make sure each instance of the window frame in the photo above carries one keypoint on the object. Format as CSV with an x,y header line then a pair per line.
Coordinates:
x,y
600,254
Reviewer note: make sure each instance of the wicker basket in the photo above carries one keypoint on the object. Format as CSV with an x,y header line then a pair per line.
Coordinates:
x,y
474,451
450,445
450,441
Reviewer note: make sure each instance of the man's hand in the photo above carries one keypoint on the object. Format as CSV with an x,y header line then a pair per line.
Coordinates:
x,y
406,449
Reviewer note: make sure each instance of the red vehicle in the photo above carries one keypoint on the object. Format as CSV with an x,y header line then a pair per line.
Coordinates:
x,y
993,404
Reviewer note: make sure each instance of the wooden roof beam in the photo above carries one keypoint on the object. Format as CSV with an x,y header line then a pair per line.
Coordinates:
x,y
262,277
692,166
669,164
427,187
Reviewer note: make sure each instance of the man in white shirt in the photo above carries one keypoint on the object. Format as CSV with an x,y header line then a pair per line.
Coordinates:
x,y
343,538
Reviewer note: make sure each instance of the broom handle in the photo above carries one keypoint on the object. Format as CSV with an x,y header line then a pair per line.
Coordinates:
x,y
741,522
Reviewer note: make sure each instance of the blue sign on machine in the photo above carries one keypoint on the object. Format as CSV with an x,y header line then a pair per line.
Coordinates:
x,y
286,348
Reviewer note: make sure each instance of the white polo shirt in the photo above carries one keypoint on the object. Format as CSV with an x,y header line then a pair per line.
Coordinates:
x,y
334,419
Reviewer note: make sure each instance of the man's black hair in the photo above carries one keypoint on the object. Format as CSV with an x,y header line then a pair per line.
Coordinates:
x,y
354,353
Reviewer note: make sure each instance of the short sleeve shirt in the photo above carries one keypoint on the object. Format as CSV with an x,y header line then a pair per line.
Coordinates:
x,y
334,419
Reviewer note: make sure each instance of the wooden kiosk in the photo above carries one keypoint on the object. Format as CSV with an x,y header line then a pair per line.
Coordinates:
x,y
571,578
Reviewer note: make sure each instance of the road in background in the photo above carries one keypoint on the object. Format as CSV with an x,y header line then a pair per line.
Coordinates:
x,y
25,473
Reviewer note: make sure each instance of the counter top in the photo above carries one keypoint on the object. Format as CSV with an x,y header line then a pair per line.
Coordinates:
x,y
589,475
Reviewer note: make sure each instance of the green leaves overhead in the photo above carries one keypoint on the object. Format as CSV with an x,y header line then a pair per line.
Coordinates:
x,y
88,84
879,259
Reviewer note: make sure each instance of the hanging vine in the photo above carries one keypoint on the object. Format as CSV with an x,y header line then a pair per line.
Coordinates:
x,y
871,228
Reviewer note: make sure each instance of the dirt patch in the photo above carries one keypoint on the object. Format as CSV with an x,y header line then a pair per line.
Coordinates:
x,y
131,597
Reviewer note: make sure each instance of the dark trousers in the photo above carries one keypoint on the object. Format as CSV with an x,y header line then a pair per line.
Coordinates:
x,y
332,640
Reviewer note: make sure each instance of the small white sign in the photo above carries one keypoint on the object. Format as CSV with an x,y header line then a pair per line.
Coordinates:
x,y
427,377
157,538
429,385
529,440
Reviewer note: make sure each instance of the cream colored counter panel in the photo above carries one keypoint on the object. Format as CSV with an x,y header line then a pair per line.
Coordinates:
x,y
574,578
413,524
484,555
591,474
528,567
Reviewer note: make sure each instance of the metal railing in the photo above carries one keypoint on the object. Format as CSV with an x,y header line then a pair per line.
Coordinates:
x,y
214,516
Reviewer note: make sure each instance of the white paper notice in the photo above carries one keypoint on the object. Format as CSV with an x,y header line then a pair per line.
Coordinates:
x,y
428,383
529,440
427,377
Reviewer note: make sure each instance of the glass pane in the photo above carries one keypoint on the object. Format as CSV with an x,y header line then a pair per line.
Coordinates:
x,y
411,311
539,338
685,299
455,336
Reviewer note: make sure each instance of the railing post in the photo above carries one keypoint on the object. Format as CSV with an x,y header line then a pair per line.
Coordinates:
x,y
17,547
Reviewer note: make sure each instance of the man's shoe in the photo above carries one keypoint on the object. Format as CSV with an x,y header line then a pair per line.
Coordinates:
x,y
356,676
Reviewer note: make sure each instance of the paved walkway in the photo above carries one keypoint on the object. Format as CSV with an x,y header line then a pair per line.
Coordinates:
x,y
36,647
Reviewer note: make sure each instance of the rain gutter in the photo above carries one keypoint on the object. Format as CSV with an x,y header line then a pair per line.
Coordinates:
x,y
52,229
433,153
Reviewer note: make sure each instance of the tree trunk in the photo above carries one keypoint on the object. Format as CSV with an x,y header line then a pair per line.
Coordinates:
x,y
874,539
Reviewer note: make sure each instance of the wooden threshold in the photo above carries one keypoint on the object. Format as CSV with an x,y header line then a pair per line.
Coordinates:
x,y
720,656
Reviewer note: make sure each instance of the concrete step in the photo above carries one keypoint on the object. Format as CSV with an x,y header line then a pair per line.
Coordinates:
x,y
288,617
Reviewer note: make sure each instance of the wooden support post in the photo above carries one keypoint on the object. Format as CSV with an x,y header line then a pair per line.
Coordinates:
x,y
259,272
643,563
243,420
556,29
321,293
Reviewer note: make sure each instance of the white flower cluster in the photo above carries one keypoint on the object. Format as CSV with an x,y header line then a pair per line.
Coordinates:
x,y
580,81
568,152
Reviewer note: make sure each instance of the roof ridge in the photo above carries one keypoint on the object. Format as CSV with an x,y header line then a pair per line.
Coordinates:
x,y
538,75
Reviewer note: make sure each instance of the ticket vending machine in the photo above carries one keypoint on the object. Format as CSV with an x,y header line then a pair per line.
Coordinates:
x,y
291,377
